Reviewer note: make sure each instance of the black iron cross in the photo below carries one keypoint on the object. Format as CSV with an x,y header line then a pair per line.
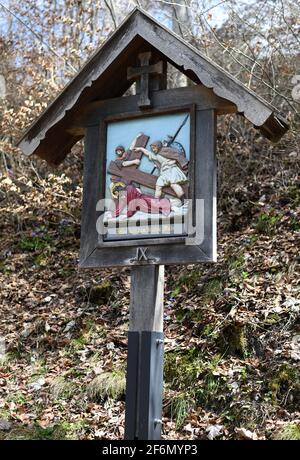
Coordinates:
x,y
142,73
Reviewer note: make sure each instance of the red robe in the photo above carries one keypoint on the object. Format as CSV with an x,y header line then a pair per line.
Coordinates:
x,y
138,201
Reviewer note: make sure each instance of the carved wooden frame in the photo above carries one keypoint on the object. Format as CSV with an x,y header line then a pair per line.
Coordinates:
x,y
94,250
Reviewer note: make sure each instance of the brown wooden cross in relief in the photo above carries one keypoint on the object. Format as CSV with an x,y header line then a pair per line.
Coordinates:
x,y
142,74
129,175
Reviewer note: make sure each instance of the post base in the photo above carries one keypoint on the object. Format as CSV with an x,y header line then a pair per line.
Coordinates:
x,y
144,385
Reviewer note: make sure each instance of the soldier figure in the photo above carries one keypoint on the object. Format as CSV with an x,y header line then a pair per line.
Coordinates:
x,y
171,165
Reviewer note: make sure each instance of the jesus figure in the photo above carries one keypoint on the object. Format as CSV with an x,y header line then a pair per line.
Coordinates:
x,y
130,197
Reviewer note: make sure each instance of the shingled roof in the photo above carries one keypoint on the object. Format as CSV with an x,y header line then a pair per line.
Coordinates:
x,y
54,133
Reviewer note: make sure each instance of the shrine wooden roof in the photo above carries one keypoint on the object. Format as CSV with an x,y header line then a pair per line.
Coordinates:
x,y
104,76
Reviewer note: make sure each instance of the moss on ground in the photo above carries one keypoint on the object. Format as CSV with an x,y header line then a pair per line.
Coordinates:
x,y
35,432
233,340
101,293
267,223
193,378
188,280
284,385
212,289
182,368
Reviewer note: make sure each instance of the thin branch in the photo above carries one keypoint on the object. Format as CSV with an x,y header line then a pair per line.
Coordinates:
x,y
110,8
227,50
286,23
188,6
177,19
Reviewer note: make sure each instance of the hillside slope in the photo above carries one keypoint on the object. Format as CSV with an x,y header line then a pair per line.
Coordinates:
x,y
232,328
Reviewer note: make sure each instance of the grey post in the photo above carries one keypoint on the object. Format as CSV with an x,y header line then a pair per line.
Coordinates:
x,y
144,383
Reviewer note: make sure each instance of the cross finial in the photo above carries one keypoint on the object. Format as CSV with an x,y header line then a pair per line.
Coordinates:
x,y
142,73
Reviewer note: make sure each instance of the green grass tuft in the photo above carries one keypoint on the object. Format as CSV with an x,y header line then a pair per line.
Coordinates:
x,y
289,432
107,385
62,389
180,408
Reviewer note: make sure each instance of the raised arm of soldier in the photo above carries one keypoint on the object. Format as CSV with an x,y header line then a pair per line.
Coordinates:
x,y
131,162
122,155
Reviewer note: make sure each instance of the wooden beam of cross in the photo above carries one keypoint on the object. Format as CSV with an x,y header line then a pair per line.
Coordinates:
x,y
129,175
143,73
140,141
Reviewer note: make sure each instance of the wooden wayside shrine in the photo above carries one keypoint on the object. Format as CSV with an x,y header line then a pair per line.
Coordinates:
x,y
155,149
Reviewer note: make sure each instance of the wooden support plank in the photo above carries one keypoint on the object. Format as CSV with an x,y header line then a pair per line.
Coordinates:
x,y
205,187
93,167
199,95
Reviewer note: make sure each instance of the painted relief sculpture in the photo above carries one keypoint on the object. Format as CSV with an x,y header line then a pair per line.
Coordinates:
x,y
144,180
